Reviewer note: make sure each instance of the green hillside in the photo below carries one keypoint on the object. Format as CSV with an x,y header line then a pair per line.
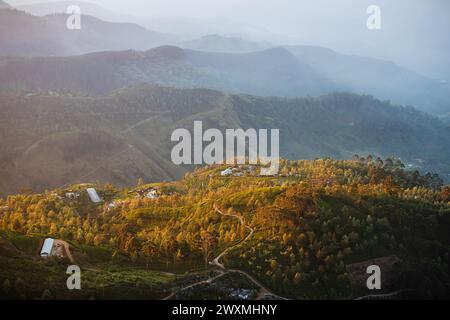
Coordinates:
x,y
51,139
299,235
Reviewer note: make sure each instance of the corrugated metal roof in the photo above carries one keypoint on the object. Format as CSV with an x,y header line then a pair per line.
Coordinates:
x,y
93,195
47,247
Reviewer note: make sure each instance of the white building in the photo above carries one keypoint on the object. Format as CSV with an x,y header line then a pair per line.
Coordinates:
x,y
152,194
227,172
93,195
47,247
112,205
72,195
243,294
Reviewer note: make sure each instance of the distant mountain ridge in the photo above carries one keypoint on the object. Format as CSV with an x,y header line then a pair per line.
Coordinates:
x,y
218,43
286,72
22,34
273,72
290,71
4,5
383,79
361,75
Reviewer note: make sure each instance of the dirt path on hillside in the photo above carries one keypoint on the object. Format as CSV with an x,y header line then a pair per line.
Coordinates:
x,y
207,281
216,261
263,291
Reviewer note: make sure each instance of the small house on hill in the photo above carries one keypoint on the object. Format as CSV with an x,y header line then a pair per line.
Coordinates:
x,y
47,248
72,195
93,195
226,172
152,194
242,294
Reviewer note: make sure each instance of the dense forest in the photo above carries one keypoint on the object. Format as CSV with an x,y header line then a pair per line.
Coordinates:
x,y
310,223
52,138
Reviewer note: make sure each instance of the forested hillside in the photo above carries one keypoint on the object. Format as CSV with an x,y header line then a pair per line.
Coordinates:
x,y
309,225
116,152
51,139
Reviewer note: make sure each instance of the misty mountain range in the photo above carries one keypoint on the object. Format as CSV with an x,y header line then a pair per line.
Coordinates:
x,y
4,5
295,71
22,34
99,104
411,33
383,79
218,43
272,72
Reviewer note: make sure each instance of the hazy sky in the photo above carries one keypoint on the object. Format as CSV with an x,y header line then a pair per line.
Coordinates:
x,y
296,18
206,8
283,12
413,33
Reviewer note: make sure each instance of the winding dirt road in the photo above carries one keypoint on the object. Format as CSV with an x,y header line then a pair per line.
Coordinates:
x,y
216,261
263,291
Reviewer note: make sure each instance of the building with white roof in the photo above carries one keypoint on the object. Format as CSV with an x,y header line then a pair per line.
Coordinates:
x,y
93,195
152,194
72,195
47,247
227,172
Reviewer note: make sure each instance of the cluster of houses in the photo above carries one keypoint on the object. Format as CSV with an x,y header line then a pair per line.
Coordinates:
x,y
152,194
92,193
72,195
241,294
238,171
149,193
54,194
114,204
